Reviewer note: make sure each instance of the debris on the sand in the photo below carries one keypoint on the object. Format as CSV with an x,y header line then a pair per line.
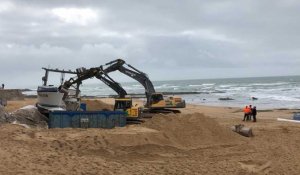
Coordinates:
x,y
29,107
24,125
3,102
30,116
3,115
242,130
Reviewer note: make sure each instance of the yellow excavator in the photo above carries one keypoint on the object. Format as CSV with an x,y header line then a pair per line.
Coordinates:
x,y
156,102
122,103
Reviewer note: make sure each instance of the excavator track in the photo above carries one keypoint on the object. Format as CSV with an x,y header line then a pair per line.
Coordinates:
x,y
163,111
134,121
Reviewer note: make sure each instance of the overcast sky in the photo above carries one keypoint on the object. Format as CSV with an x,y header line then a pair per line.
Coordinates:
x,y
167,39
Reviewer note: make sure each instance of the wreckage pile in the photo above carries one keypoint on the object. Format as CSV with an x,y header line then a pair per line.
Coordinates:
x,y
4,116
28,116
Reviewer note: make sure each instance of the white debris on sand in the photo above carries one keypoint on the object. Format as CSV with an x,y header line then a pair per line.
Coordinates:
x,y
3,115
24,125
29,107
29,116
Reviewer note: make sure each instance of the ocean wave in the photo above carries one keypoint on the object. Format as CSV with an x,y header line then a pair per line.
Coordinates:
x,y
195,85
278,97
284,90
268,84
166,86
241,88
133,88
284,98
227,85
204,84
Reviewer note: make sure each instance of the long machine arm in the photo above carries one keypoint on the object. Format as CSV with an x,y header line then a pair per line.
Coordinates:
x,y
134,73
112,84
83,74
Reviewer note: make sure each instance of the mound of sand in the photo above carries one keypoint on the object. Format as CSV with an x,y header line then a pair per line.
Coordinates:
x,y
180,132
192,130
97,105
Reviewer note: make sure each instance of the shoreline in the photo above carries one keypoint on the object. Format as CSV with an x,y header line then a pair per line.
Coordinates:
x,y
190,108
200,103
262,109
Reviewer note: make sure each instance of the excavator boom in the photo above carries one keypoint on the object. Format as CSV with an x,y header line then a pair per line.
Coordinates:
x,y
134,73
112,84
154,100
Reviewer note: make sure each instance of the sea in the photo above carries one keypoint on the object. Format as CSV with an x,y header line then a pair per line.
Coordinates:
x,y
263,92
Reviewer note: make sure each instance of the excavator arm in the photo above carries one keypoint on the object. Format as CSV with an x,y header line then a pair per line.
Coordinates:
x,y
112,84
132,72
83,74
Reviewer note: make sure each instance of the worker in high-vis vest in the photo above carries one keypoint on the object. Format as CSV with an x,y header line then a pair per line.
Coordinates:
x,y
247,111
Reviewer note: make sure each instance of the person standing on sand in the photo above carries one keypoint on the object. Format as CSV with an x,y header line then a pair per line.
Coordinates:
x,y
254,113
250,113
245,113
2,86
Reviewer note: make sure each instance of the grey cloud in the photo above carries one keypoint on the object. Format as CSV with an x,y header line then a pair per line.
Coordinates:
x,y
167,39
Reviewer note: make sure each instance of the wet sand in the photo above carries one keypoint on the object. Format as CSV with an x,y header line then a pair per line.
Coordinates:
x,y
197,141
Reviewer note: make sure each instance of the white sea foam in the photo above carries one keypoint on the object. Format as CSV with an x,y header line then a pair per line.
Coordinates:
x,y
199,85
269,84
227,85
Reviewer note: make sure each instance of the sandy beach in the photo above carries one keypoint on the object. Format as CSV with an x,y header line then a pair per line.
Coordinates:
x,y
197,141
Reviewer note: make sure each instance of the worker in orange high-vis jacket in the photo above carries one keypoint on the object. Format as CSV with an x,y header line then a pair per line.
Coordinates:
x,y
246,112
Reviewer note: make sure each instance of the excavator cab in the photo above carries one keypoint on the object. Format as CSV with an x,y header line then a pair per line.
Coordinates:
x,y
157,100
125,104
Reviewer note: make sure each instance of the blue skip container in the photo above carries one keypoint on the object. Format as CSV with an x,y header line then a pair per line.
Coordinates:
x,y
87,119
